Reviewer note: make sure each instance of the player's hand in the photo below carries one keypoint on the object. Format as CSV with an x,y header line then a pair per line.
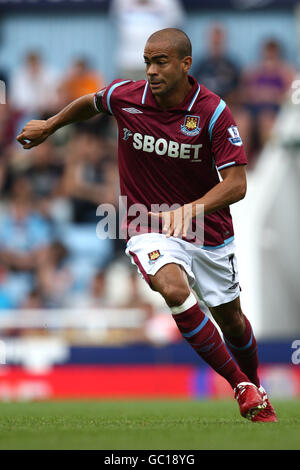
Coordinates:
x,y
34,133
175,223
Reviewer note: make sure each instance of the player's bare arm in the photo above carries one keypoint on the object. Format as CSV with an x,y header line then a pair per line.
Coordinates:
x,y
36,131
232,189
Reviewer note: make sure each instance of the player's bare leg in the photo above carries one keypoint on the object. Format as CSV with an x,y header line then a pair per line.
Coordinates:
x,y
171,282
240,340
200,332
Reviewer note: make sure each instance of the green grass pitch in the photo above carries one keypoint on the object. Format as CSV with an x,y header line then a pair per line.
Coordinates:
x,y
119,425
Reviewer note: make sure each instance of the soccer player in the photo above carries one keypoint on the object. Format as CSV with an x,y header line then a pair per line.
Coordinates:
x,y
178,143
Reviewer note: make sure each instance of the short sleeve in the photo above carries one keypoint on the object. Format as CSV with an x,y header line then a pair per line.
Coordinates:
x,y
98,101
226,143
107,98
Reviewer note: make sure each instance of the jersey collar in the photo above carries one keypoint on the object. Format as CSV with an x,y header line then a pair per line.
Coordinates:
x,y
186,105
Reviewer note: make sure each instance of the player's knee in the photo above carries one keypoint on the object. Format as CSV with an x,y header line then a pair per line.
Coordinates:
x,y
175,295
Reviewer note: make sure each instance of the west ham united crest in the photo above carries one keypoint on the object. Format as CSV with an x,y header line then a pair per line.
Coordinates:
x,y
191,125
154,255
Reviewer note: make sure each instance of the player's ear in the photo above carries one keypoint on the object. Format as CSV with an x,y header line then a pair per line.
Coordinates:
x,y
186,63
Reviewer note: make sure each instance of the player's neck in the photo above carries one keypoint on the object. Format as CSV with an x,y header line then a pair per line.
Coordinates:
x,y
171,100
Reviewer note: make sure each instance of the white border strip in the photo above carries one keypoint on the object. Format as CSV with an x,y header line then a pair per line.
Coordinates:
x,y
225,165
145,92
194,99
188,303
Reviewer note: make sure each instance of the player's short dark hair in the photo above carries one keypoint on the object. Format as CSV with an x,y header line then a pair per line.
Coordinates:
x,y
178,38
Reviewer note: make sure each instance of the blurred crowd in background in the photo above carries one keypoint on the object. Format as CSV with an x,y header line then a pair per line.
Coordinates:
x,y
50,256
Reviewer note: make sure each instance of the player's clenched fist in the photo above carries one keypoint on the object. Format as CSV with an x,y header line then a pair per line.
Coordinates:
x,y
34,133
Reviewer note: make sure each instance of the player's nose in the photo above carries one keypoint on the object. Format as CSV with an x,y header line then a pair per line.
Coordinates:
x,y
152,70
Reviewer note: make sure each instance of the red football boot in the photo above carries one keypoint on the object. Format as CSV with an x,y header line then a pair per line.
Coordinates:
x,y
266,415
249,398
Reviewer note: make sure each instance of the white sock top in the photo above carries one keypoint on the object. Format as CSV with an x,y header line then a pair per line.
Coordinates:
x,y
188,303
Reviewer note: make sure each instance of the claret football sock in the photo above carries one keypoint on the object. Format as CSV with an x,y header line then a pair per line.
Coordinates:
x,y
203,336
244,350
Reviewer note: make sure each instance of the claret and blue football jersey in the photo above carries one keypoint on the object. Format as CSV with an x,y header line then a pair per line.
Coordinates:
x,y
173,156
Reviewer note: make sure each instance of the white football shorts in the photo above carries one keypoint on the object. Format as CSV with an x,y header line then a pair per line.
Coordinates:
x,y
212,272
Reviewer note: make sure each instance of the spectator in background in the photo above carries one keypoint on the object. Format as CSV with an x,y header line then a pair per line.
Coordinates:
x,y
34,300
264,89
90,177
80,80
54,279
44,172
33,88
43,169
24,233
135,21
94,297
217,70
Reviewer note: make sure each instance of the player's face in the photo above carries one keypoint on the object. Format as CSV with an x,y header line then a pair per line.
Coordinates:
x,y
165,70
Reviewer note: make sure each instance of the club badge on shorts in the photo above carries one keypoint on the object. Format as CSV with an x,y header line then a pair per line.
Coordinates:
x,y
191,125
153,256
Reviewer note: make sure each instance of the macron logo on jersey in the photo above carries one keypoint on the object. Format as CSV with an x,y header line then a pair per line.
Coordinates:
x,y
148,143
